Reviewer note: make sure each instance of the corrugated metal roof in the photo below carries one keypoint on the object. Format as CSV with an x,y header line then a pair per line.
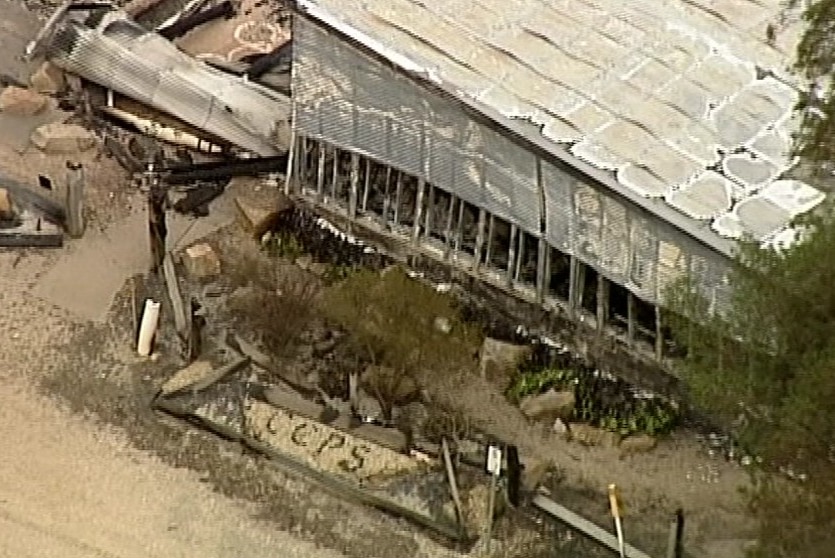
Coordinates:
x,y
683,100
121,55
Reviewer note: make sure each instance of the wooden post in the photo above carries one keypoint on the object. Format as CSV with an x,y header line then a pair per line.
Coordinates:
x,y
335,173
421,187
448,229
491,229
520,256
75,200
479,239
630,318
387,198
320,171
542,266
602,302
576,286
398,192
453,483
659,335
511,255
430,210
354,192
366,185
304,162
459,227
674,547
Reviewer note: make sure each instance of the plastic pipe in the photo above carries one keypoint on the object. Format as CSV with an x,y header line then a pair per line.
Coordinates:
x,y
150,320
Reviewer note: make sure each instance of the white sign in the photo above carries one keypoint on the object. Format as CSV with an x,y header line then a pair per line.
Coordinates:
x,y
494,460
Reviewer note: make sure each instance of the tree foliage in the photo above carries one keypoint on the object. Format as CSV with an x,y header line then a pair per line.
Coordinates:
x,y
766,368
814,62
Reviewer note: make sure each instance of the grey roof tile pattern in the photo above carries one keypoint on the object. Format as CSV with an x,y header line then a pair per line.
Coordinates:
x,y
682,100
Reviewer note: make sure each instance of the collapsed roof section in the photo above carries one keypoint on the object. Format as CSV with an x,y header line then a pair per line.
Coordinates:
x,y
103,45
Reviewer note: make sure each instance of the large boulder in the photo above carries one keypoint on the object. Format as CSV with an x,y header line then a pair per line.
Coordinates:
x,y
21,102
549,406
48,78
60,138
499,358
201,261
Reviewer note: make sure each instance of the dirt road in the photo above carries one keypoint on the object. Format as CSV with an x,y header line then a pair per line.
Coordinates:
x,y
68,488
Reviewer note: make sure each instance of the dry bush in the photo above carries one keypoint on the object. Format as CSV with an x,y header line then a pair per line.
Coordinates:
x,y
391,319
281,302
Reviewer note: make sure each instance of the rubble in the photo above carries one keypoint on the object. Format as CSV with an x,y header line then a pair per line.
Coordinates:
x,y
48,79
60,138
22,102
103,45
201,261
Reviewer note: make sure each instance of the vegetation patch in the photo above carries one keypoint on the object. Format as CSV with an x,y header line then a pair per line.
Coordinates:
x,y
601,400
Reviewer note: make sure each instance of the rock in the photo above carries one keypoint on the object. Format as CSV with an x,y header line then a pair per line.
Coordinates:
x,y
368,407
201,261
48,78
6,210
258,214
382,436
640,443
533,472
62,138
548,406
561,428
443,324
187,376
322,348
592,436
401,387
21,102
497,358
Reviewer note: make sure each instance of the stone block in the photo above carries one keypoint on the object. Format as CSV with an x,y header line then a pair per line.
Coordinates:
x,y
48,78
499,358
592,436
640,443
60,138
548,406
6,210
21,102
201,261
259,211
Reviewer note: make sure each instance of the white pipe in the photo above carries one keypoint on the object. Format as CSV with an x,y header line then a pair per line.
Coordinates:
x,y
150,320
165,133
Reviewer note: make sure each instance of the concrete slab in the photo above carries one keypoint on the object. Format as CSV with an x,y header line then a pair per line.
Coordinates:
x,y
91,270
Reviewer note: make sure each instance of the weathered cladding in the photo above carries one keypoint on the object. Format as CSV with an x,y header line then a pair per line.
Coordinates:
x,y
389,118
345,98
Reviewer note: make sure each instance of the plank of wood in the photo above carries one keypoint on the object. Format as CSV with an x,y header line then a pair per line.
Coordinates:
x,y
181,322
584,525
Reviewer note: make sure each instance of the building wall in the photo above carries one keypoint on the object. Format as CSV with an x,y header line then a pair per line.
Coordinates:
x,y
348,99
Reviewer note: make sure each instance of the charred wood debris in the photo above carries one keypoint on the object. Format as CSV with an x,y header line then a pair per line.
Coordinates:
x,y
181,121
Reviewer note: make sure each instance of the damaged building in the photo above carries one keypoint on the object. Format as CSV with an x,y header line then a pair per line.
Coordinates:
x,y
584,155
